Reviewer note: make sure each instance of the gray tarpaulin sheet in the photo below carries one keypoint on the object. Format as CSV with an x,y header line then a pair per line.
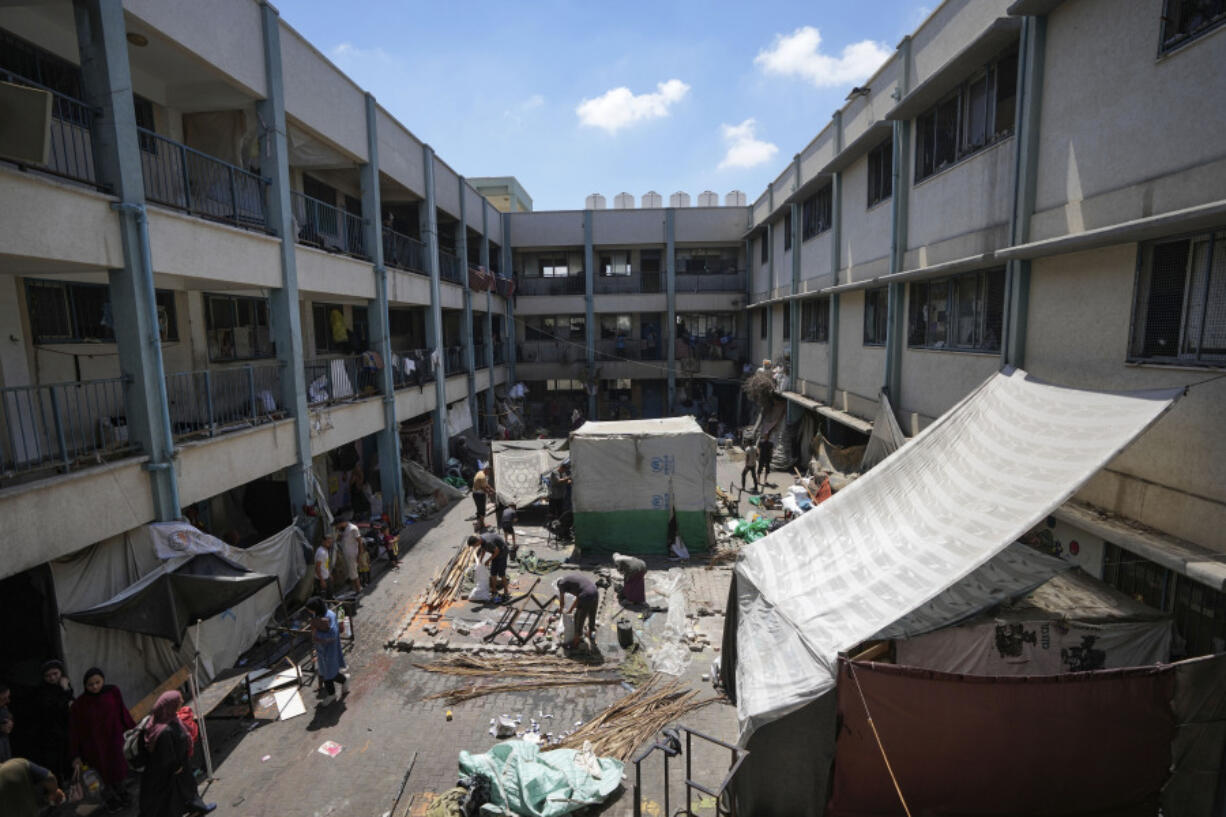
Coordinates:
x,y
168,600
886,438
961,491
519,466
426,484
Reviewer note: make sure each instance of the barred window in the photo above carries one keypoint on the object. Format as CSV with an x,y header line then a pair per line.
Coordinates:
x,y
764,319
237,327
65,312
764,246
787,231
817,214
815,320
876,307
787,321
881,172
980,112
1184,20
1180,302
962,313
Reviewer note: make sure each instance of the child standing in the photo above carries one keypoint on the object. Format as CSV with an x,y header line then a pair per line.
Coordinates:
x,y
363,565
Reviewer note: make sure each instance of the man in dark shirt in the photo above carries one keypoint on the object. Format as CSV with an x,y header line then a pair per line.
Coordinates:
x,y
494,550
765,449
586,600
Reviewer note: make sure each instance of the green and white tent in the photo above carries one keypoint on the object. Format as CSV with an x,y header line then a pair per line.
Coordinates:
x,y
630,476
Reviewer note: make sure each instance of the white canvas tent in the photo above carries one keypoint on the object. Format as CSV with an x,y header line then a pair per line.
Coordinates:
x,y
926,518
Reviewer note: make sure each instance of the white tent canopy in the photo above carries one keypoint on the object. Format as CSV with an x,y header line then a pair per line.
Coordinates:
x,y
931,513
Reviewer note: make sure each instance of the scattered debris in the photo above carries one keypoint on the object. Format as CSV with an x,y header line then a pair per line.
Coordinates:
x,y
330,748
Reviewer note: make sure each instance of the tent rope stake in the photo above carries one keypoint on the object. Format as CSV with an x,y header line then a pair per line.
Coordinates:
x,y
877,737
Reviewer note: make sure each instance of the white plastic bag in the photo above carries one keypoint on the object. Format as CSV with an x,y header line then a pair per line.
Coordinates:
x,y
565,633
680,550
481,579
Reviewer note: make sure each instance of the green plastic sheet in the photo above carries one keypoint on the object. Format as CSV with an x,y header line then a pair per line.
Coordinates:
x,y
532,783
752,531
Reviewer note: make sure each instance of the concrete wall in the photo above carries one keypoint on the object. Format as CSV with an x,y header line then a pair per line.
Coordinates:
x,y
861,368
815,259
703,224
865,238
559,228
552,305
1137,134
194,248
933,381
613,227
319,96
333,426
446,188
964,201
400,153
224,33
408,288
1174,476
327,273
953,26
29,207
210,467
814,365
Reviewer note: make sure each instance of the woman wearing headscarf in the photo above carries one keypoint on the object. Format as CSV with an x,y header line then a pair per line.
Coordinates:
x,y
167,788
47,730
329,660
96,724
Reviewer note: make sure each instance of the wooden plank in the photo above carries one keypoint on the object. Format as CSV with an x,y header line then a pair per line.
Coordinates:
x,y
145,705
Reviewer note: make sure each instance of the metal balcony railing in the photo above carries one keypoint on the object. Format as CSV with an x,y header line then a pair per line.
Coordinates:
x,y
500,355
617,284
479,355
411,367
63,426
549,351
703,348
453,361
619,349
449,267
339,379
330,228
563,285
214,401
72,134
712,282
649,282
188,180
404,252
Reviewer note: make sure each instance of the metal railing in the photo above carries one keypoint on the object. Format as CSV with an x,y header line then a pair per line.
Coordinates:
x,y
338,379
188,180
671,747
479,355
548,351
619,349
449,267
703,348
617,284
411,367
453,361
649,282
214,401
72,134
712,282
565,285
404,252
500,354
327,227
63,425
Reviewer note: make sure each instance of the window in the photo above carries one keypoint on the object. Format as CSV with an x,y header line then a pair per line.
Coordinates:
x,y
615,263
706,261
709,325
978,113
322,316
62,312
876,307
787,231
552,266
816,214
764,316
1198,611
612,326
880,172
1180,312
963,312
237,327
649,261
815,320
144,119
764,246
787,320
563,385
1184,20
554,327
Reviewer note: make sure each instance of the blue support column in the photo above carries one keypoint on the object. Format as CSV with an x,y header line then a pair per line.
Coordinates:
x,y
285,317
836,228
669,332
899,194
377,310
508,331
1025,168
428,219
793,306
589,280
470,361
490,408
770,269
101,40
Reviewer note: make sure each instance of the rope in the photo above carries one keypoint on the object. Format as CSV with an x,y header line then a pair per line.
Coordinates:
x,y
852,670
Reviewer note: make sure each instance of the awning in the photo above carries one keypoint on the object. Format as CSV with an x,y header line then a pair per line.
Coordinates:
x,y
167,600
954,497
849,420
520,465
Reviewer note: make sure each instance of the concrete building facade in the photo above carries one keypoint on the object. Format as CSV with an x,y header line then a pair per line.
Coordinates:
x,y
246,272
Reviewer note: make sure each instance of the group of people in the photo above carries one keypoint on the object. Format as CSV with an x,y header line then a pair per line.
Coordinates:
x,y
344,552
757,461
69,734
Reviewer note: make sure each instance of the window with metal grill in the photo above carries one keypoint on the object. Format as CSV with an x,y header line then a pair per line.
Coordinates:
x,y
615,263
1180,302
237,327
961,313
787,231
787,321
876,307
65,312
881,172
816,214
978,113
1185,20
764,317
815,320
764,246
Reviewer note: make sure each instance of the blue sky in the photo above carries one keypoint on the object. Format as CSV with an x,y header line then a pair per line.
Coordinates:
x,y
579,98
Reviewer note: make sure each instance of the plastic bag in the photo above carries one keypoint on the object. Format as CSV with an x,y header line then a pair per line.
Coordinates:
x,y
679,549
752,530
481,588
669,653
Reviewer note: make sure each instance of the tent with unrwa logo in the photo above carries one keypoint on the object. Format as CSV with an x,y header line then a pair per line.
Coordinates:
x,y
635,479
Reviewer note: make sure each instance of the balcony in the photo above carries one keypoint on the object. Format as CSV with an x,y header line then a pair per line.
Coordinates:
x,y
701,348
479,355
449,268
412,367
561,285
500,355
549,351
72,134
617,284
453,361
321,225
196,183
711,282
341,379
67,426
404,252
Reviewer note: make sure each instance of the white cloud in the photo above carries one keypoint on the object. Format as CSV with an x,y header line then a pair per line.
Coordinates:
x,y
618,108
745,149
515,114
799,55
